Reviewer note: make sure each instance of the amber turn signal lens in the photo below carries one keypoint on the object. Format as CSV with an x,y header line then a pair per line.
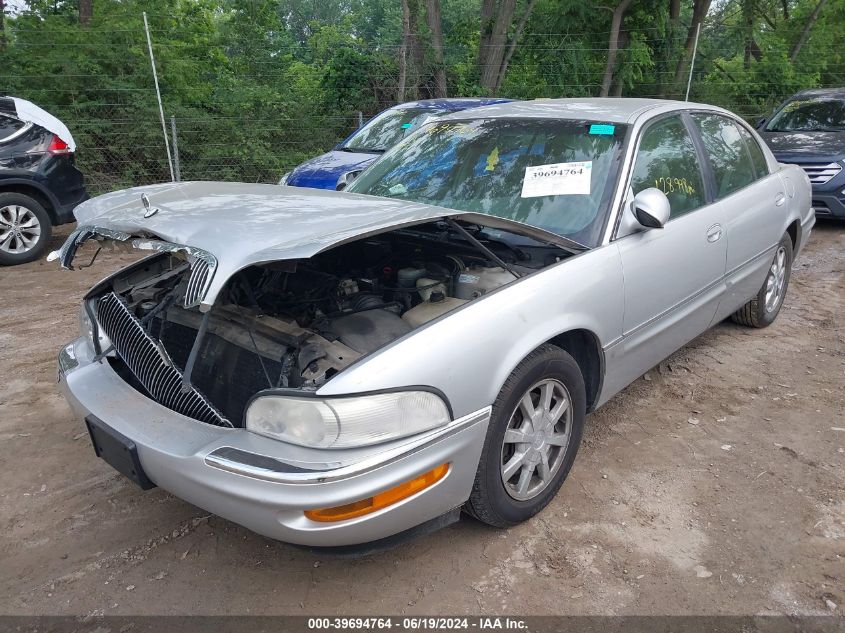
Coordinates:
x,y
381,500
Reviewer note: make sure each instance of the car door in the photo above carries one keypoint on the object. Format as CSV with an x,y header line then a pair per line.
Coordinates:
x,y
674,276
750,198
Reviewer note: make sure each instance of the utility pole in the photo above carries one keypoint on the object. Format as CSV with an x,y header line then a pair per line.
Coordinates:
x,y
158,96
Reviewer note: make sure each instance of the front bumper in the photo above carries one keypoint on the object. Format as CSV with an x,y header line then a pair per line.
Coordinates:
x,y
265,485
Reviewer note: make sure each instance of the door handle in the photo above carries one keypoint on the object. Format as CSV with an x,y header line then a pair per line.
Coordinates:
x,y
780,199
714,233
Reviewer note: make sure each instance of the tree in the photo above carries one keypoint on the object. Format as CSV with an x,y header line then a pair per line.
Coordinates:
x,y
435,25
258,87
86,12
2,25
512,46
699,12
403,52
613,45
494,48
805,33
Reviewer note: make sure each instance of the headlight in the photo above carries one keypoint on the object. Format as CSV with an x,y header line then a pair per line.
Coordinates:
x,y
86,329
284,179
346,422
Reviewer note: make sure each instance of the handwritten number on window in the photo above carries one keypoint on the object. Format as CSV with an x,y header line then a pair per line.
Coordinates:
x,y
669,184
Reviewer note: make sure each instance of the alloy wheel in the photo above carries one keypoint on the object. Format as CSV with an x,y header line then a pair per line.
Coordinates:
x,y
19,229
536,439
775,280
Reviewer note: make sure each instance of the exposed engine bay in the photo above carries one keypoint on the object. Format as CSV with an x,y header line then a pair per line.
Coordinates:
x,y
296,323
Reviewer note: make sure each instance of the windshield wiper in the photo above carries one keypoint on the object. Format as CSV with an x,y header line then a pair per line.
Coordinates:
x,y
808,129
572,245
362,150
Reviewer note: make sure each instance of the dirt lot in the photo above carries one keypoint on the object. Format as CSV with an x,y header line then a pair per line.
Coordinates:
x,y
713,485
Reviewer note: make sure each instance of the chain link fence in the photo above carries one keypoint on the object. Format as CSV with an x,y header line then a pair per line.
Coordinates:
x,y
229,134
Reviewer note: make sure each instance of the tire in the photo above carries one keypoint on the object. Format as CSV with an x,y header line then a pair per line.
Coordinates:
x,y
763,309
503,503
25,229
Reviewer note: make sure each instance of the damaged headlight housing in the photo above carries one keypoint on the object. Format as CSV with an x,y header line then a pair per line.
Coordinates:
x,y
86,329
346,422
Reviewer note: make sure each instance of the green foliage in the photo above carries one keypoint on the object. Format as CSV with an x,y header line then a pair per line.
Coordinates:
x,y
258,87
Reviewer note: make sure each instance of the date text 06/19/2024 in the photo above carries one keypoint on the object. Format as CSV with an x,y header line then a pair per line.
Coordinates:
x,y
419,623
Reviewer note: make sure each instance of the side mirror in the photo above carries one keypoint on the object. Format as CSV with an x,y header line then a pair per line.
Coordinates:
x,y
651,208
761,122
346,178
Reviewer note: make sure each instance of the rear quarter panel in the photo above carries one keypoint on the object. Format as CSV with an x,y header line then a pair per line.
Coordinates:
x,y
800,201
755,224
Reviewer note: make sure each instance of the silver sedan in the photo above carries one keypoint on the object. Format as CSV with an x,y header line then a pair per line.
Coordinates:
x,y
334,368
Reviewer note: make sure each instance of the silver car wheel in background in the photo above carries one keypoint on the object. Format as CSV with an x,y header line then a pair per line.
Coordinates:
x,y
536,439
775,280
19,229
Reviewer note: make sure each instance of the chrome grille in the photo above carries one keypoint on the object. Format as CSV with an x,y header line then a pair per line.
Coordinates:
x,y
151,364
201,271
820,174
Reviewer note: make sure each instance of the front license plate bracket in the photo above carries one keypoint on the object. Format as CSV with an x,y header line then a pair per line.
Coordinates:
x,y
118,451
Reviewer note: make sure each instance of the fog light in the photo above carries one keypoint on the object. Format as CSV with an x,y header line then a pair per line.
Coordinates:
x,y
381,500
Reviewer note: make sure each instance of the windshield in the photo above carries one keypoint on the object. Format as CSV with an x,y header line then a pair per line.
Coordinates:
x,y
556,175
810,115
388,128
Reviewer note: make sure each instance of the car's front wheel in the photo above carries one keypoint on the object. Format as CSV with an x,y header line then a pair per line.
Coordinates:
x,y
763,309
25,229
534,434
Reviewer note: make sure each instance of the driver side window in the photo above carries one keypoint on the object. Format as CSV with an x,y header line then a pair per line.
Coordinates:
x,y
666,159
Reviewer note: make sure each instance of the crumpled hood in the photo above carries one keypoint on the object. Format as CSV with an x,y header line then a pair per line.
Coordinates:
x,y
323,171
242,224
805,146
250,221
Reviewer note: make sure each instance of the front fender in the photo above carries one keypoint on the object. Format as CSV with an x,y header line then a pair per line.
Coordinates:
x,y
469,353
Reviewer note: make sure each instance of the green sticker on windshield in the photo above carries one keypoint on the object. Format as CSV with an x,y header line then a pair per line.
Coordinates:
x,y
597,128
405,126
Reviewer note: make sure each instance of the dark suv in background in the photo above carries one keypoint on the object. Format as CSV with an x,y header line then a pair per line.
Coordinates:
x,y
39,182
809,131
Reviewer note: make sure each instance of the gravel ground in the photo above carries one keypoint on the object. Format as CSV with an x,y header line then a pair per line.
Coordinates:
x,y
715,484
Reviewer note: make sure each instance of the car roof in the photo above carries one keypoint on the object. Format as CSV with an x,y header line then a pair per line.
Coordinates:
x,y
608,109
821,92
459,103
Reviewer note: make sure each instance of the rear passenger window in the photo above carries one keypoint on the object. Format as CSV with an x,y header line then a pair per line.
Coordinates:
x,y
9,126
726,149
666,159
757,157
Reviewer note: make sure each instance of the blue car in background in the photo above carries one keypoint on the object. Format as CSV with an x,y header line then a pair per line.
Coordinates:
x,y
337,168
809,131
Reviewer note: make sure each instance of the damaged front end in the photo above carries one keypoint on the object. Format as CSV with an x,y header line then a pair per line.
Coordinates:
x,y
289,324
201,263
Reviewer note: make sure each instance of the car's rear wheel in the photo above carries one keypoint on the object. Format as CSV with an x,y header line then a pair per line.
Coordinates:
x,y
534,433
25,229
763,309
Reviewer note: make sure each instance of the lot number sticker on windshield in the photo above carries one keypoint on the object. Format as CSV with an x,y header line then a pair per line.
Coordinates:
x,y
557,179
